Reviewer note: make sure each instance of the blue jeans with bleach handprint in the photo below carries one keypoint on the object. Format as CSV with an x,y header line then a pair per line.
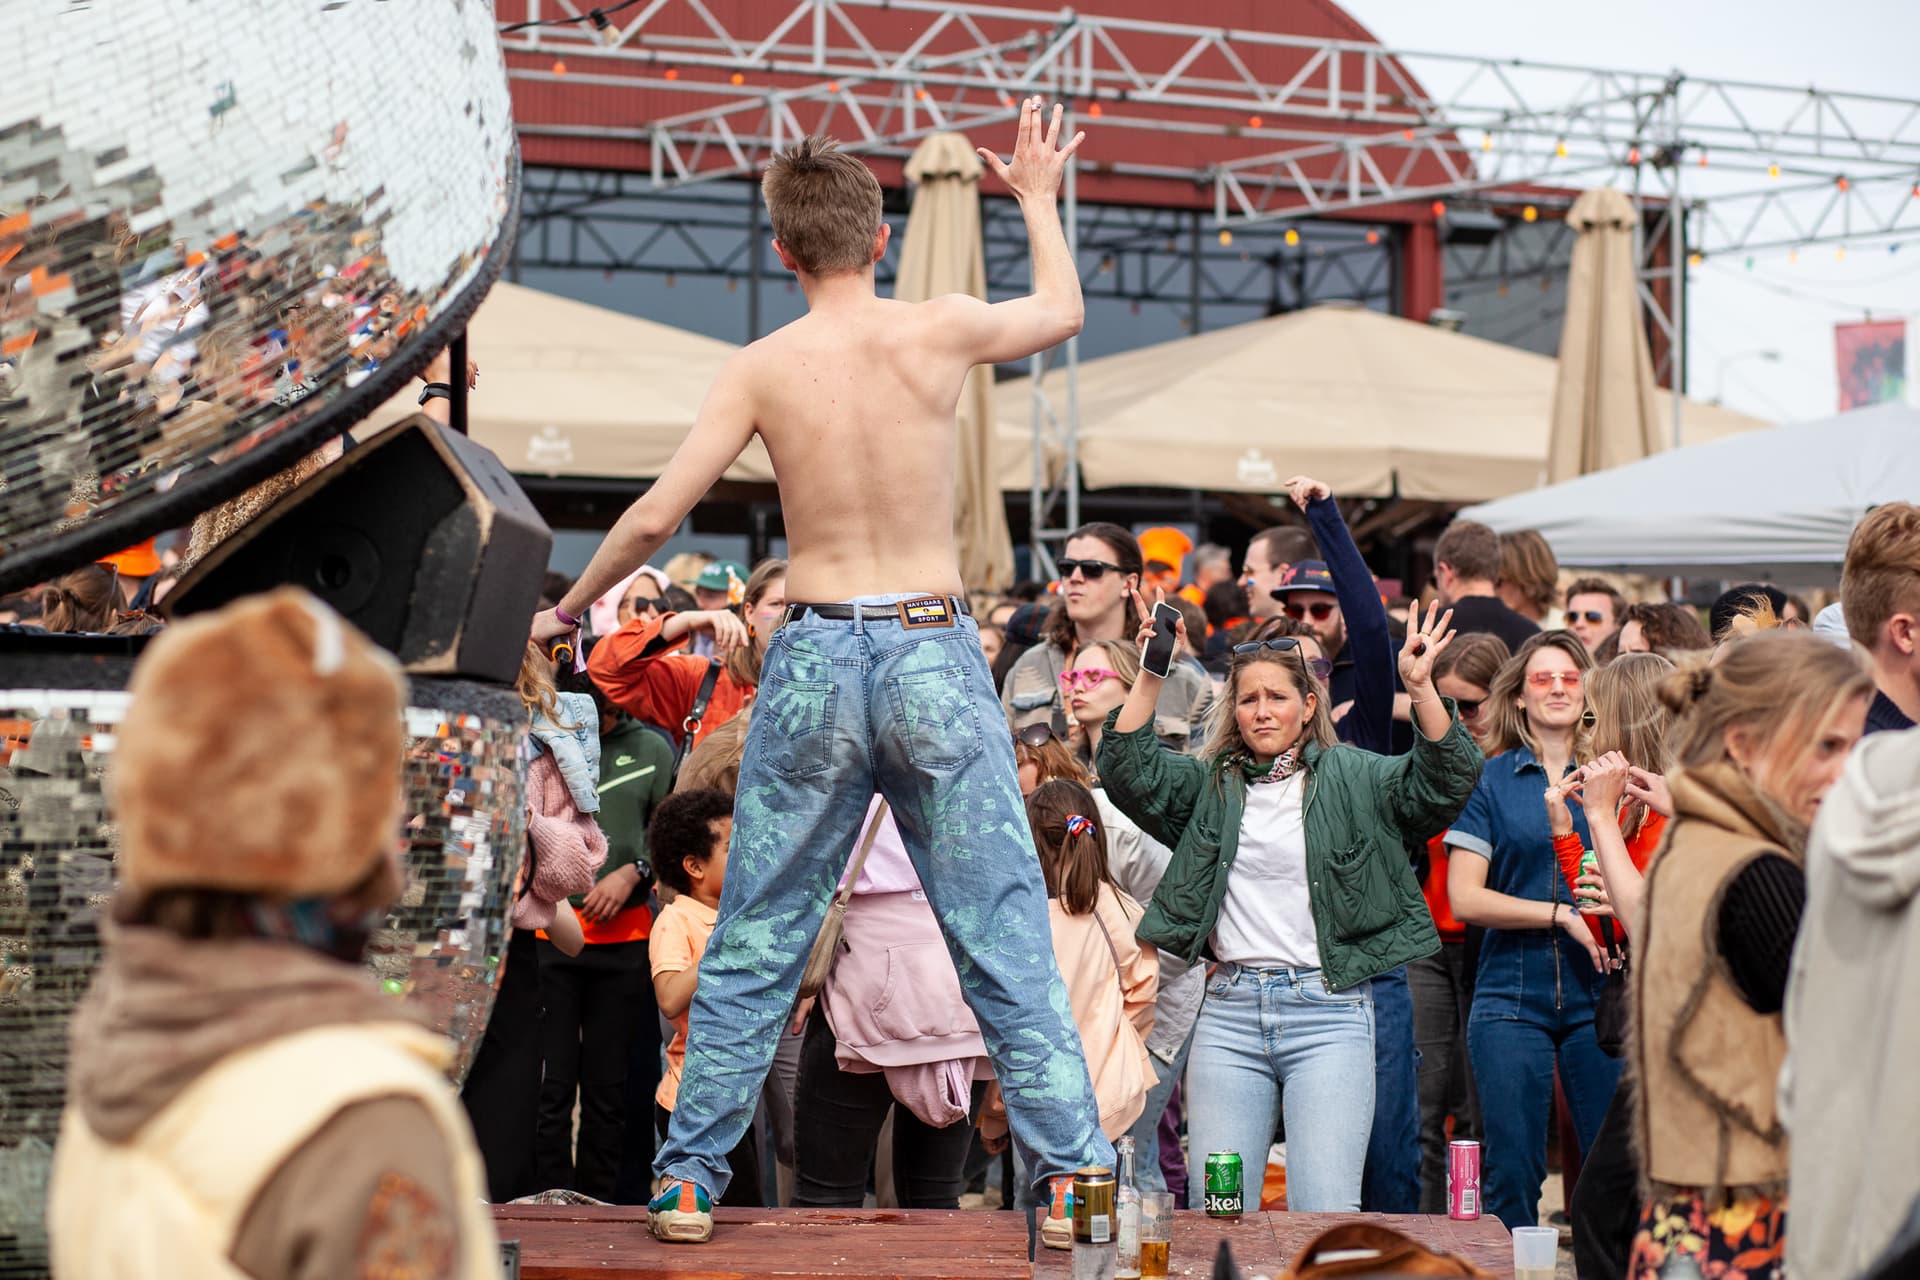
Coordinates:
x,y
846,709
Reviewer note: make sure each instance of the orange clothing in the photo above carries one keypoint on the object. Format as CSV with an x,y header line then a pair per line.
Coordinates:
x,y
1193,595
632,925
651,685
679,940
1434,888
1568,852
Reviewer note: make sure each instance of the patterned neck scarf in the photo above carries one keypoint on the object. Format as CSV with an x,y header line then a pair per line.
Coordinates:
x,y
1280,768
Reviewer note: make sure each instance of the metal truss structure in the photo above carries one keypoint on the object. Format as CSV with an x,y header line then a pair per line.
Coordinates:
x,y
1265,128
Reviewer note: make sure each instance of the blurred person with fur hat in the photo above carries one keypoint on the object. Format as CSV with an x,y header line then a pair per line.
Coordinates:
x,y
242,1098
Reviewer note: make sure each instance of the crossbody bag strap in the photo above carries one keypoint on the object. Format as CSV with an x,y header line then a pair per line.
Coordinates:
x,y
690,727
866,847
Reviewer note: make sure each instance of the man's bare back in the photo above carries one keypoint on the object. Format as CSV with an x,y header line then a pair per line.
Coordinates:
x,y
855,402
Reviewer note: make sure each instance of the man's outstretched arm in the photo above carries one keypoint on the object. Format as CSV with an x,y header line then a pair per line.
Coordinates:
x,y
1053,312
719,434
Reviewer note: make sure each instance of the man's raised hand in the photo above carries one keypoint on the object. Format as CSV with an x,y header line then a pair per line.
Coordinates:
x,y
1038,159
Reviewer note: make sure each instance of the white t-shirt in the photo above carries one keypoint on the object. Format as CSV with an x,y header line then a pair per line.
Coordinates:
x,y
1266,920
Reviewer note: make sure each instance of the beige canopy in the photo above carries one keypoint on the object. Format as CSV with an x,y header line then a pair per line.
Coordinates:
x,y
571,389
1349,396
1604,411
943,254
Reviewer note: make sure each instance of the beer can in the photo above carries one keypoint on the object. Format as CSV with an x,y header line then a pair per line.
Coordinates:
x,y
1094,1220
1589,866
1226,1194
1463,1179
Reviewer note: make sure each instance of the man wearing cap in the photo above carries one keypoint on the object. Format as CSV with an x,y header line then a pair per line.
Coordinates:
x,y
721,585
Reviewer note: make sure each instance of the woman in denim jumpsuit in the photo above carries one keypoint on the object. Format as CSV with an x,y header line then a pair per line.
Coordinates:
x,y
1539,973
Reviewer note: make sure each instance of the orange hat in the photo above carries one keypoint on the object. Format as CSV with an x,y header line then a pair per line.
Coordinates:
x,y
1165,543
137,561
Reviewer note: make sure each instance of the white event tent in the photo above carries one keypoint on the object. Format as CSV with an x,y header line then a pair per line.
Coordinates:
x,y
1777,504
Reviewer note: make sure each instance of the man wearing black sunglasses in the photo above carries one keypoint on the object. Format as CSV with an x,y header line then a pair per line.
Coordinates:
x,y
1098,575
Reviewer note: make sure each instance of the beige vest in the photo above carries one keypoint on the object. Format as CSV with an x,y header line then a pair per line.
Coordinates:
x,y
1707,1066
171,1201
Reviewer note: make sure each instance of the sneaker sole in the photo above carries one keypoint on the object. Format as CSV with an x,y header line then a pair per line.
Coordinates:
x,y
681,1232
1060,1237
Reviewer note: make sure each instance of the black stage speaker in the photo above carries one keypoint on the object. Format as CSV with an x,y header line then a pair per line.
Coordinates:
x,y
419,537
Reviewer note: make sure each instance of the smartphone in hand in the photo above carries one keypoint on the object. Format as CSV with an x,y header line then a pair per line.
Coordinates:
x,y
1158,656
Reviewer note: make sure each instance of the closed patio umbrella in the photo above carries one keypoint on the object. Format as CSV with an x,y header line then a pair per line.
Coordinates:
x,y
1604,409
943,254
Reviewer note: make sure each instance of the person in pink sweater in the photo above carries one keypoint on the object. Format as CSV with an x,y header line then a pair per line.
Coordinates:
x,y
1112,978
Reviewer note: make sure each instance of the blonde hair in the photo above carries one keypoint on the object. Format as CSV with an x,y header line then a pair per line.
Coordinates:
x,y
1629,717
1771,684
535,685
1122,656
743,664
824,205
1527,563
1881,576
1510,727
1223,728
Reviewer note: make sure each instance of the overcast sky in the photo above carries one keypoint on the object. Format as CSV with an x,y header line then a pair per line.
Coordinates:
x,y
1866,46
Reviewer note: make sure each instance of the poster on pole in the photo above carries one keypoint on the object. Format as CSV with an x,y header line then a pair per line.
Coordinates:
x,y
1871,360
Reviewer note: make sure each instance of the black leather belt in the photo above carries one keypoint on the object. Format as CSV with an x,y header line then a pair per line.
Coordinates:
x,y
869,612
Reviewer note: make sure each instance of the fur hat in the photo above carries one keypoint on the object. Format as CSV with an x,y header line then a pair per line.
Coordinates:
x,y
261,753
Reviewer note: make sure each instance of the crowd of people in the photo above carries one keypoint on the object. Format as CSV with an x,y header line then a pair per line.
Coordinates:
x,y
1350,875
1359,874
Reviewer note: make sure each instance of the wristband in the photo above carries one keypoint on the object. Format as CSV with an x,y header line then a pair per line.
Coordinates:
x,y
435,391
560,612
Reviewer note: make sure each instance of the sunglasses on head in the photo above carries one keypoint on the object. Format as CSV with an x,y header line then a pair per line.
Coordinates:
x,y
1588,615
1091,570
1320,667
1545,679
1086,678
1319,610
1034,736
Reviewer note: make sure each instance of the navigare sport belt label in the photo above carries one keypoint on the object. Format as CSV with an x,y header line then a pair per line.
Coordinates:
x,y
933,611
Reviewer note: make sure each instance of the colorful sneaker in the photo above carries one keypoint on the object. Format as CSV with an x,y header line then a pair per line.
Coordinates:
x,y
681,1214
1056,1232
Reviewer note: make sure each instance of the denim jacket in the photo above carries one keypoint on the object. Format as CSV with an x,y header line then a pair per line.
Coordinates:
x,y
1362,810
575,750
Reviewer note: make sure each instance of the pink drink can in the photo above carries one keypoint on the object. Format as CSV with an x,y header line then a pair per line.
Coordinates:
x,y
1463,1179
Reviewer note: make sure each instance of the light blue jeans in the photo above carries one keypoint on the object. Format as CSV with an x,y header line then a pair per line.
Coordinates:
x,y
1268,1032
844,710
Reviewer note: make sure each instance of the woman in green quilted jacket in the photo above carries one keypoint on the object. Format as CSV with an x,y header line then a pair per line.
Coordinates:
x,y
1290,872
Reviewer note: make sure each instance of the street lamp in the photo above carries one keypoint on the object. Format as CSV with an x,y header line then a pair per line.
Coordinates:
x,y
1758,353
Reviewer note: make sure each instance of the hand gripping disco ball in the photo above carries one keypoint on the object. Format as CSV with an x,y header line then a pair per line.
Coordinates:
x,y
227,231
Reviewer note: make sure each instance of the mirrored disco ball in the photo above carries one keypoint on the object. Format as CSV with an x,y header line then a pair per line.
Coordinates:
x,y
439,950
227,230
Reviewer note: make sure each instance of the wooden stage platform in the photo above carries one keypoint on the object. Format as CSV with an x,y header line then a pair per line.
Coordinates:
x,y
611,1243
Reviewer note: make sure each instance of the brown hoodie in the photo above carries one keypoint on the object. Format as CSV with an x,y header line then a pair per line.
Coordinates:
x,y
371,1191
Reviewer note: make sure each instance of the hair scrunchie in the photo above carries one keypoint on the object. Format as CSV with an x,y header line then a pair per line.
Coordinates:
x,y
1079,825
1702,681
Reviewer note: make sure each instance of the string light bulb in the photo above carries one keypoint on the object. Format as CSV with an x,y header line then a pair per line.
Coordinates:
x,y
1560,148
1773,170
1253,122
1633,155
1841,182
1293,236
1839,253
1373,237
1439,208
559,66
737,78
1226,237
1530,214
920,95
672,73
1695,258
1486,142
1703,159
1096,110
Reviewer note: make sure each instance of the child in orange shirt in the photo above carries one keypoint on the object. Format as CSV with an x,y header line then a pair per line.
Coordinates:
x,y
688,836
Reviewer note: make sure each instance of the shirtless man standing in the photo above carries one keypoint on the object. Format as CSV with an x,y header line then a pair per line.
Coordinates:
x,y
875,682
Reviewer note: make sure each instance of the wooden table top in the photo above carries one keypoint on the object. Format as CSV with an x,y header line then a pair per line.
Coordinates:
x,y
611,1242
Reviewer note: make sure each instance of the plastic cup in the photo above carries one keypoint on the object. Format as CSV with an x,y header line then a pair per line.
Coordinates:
x,y
1535,1251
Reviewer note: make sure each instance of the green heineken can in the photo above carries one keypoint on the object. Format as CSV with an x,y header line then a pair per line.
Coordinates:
x,y
1226,1197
